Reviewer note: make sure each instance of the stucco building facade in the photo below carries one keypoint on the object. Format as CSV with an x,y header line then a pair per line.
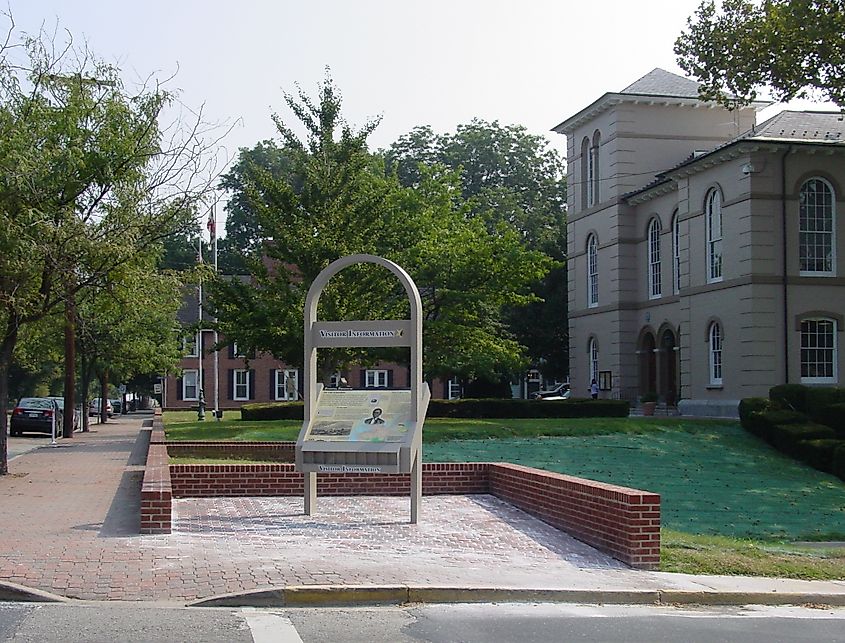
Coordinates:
x,y
703,259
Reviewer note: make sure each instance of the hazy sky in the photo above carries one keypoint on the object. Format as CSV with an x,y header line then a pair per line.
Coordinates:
x,y
438,62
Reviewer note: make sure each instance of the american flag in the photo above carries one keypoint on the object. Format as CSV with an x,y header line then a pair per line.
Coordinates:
x,y
212,225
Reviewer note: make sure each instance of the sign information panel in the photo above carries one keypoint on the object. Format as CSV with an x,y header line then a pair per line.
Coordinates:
x,y
362,416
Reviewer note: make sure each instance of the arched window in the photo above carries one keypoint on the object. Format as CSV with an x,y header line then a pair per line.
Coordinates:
x,y
586,156
713,215
593,351
676,253
818,351
715,351
654,281
592,271
816,228
594,165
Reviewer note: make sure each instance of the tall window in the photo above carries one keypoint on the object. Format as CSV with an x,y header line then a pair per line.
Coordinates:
x,y
592,271
593,351
237,351
676,253
713,214
816,222
715,349
595,178
586,174
376,379
454,390
287,384
818,351
189,346
189,385
241,384
654,281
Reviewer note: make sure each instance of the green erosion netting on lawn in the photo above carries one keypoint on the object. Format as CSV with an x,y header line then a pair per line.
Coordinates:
x,y
712,479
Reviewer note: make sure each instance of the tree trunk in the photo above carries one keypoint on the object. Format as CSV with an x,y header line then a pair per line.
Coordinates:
x,y
84,387
7,348
104,396
70,364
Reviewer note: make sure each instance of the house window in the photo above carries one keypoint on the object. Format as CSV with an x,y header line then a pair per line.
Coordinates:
x,y
454,389
287,384
676,253
594,168
376,379
592,271
241,384
818,351
715,350
713,214
654,282
586,157
593,351
816,223
189,346
237,352
189,385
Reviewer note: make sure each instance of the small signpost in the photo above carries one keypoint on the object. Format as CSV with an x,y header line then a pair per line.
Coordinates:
x,y
370,430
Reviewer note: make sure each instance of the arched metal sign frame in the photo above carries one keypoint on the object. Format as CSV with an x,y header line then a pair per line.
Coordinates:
x,y
375,333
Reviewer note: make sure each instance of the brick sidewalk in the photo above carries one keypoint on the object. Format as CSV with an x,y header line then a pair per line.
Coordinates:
x,y
71,526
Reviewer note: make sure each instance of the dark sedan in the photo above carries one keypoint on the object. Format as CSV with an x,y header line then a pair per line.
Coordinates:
x,y
35,414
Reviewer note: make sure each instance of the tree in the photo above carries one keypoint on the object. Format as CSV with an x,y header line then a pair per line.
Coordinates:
x,y
333,199
795,48
507,175
89,178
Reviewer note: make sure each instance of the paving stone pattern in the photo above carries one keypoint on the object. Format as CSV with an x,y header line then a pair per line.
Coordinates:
x,y
70,525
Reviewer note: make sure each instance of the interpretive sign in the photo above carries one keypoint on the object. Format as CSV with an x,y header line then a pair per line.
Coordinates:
x,y
370,430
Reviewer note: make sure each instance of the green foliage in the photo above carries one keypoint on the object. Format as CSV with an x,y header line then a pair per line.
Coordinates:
x,y
793,48
818,452
790,396
506,175
468,408
837,466
325,197
751,405
785,437
833,416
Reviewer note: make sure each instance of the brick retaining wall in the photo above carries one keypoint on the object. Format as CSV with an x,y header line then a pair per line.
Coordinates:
x,y
622,522
275,451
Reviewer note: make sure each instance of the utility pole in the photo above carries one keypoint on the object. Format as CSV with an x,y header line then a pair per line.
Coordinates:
x,y
70,358
200,382
212,228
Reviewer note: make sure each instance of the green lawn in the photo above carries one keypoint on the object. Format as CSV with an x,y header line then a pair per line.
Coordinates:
x,y
730,503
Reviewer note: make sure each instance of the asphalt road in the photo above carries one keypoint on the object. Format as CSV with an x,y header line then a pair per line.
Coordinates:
x,y
523,623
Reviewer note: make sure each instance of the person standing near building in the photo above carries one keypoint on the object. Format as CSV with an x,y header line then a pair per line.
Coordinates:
x,y
594,390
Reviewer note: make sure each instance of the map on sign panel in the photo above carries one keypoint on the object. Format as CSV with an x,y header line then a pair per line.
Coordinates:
x,y
362,416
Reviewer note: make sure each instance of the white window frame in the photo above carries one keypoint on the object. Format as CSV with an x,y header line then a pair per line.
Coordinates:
x,y
676,253
235,351
713,222
242,385
281,379
831,350
827,212
592,271
185,373
715,339
655,281
375,378
591,177
585,173
189,346
594,158
453,389
593,352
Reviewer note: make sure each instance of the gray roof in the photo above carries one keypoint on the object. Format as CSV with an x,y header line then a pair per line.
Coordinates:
x,y
826,127
659,82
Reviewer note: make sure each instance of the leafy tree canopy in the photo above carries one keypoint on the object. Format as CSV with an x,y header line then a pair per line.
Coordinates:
x,y
333,198
795,48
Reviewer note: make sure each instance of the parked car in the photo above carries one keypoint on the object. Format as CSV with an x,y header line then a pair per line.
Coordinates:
x,y
35,414
117,405
559,392
94,407
77,412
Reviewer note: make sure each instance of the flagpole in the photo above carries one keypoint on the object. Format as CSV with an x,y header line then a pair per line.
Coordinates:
x,y
213,226
200,395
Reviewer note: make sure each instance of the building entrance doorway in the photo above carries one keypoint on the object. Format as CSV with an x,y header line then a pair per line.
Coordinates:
x,y
648,364
668,367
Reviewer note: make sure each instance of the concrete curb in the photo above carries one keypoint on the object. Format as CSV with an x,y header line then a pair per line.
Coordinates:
x,y
19,593
344,595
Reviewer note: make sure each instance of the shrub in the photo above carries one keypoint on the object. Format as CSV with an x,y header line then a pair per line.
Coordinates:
x,y
786,436
752,405
833,416
790,396
837,467
818,453
469,408
764,424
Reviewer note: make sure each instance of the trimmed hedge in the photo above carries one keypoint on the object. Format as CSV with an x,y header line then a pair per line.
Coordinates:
x,y
470,408
818,453
833,416
786,436
837,466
